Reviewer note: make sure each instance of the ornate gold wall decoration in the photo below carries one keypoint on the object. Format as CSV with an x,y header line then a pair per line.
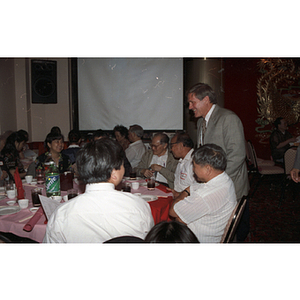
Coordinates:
x,y
278,91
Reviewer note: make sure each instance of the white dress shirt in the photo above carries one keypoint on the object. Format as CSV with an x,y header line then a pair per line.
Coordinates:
x,y
207,210
100,214
162,161
184,174
135,152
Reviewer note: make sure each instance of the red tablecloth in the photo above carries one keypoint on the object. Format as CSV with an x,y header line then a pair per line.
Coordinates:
x,y
160,209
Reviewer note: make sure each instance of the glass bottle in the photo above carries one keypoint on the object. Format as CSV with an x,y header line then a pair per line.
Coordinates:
x,y
52,178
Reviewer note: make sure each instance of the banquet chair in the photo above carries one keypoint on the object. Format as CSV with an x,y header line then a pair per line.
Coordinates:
x,y
262,170
234,221
288,159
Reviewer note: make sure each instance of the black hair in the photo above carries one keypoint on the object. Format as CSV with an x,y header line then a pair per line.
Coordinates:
x,y
25,133
55,129
97,159
99,133
52,136
171,232
122,129
185,139
277,122
211,154
201,90
74,136
10,146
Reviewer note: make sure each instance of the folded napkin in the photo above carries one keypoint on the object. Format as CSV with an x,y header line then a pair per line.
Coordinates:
x,y
19,185
31,223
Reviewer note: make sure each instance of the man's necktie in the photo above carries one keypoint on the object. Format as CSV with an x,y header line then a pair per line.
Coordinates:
x,y
203,129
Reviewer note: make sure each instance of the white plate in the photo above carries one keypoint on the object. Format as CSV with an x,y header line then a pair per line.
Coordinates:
x,y
34,181
145,184
9,210
149,198
128,178
2,197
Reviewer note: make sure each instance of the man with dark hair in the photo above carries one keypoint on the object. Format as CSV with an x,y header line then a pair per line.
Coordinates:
x,y
280,139
224,128
74,142
98,134
206,206
136,149
101,213
158,160
181,147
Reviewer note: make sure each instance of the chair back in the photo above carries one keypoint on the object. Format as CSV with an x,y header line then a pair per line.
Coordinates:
x,y
252,154
234,221
289,159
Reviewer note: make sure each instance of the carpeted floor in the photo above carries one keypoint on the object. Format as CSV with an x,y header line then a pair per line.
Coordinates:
x,y
273,221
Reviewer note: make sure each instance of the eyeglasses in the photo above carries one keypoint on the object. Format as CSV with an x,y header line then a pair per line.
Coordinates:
x,y
155,146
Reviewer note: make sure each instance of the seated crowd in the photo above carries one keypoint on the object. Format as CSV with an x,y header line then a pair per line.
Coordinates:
x,y
204,195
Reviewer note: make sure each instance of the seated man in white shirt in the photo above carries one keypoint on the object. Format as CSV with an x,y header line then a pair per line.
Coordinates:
x,y
101,213
206,207
137,148
181,147
158,161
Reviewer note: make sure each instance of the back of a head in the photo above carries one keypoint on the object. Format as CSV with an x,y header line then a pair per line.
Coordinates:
x,y
211,154
171,232
98,134
201,90
137,129
97,159
74,136
185,139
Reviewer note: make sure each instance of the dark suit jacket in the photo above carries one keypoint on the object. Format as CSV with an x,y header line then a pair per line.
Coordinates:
x,y
225,129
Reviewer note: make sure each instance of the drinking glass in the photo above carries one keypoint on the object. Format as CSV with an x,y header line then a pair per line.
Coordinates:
x,y
151,183
35,196
72,193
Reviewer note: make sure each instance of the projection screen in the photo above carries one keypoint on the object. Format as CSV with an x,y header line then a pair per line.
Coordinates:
x,y
127,91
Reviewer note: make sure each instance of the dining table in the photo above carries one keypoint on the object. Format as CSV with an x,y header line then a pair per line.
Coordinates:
x,y
159,200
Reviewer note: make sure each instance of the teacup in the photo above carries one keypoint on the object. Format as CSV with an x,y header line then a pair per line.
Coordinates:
x,y
23,203
135,185
28,178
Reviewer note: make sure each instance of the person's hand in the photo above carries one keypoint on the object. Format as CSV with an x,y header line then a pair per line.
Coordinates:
x,y
155,167
175,194
292,140
147,173
295,175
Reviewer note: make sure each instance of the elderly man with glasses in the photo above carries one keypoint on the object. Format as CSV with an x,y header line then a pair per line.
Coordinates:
x,y
158,160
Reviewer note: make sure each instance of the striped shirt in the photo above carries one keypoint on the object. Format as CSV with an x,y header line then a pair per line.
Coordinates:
x,y
207,210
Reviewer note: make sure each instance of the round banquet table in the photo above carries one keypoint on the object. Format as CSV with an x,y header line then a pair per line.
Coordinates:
x,y
14,223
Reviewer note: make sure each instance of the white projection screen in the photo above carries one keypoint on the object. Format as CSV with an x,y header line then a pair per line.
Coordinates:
x,y
127,91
